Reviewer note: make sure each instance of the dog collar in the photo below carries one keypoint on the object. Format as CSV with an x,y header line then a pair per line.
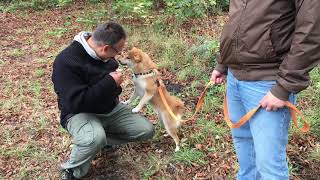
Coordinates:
x,y
143,73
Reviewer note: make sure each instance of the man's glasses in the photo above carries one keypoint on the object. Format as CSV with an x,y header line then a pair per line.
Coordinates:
x,y
115,49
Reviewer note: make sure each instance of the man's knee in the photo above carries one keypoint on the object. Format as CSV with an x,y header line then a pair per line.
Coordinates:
x,y
99,139
148,131
92,137
143,132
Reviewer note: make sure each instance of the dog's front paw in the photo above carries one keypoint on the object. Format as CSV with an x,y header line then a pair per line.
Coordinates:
x,y
135,110
125,102
177,149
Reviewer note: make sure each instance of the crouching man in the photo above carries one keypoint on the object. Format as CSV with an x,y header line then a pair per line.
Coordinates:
x,y
87,84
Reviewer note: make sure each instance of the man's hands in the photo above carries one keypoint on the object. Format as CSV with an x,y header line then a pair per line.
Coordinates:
x,y
271,103
217,77
117,76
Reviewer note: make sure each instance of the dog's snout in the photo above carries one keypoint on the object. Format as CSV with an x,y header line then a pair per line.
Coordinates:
x,y
121,62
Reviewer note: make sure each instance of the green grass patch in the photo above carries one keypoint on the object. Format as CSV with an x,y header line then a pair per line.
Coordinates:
x,y
189,156
16,53
315,154
12,103
207,130
91,18
169,54
311,111
32,4
39,72
58,32
154,165
28,150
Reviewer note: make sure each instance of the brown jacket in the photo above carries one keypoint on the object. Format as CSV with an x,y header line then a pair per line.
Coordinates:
x,y
272,40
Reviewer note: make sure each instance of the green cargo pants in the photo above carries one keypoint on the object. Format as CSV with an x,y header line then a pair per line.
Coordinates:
x,y
91,132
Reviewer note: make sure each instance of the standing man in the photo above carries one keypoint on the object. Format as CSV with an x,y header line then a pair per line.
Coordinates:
x,y
267,49
87,84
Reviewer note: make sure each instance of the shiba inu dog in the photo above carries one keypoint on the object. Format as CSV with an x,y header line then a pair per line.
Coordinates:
x,y
147,83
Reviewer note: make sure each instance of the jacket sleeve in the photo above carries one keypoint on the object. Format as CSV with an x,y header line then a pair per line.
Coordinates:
x,y
77,95
304,53
223,69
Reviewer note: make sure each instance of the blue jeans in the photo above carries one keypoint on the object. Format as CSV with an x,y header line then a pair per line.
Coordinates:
x,y
260,143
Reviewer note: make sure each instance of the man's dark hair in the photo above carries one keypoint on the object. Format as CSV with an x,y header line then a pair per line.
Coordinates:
x,y
109,33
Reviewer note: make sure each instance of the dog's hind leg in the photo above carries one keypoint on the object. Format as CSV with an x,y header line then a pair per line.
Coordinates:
x,y
144,100
173,132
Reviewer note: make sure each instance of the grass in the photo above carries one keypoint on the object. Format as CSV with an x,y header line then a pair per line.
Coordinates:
x,y
207,130
34,4
313,101
166,53
28,150
315,155
16,53
155,164
38,73
91,18
189,157
58,32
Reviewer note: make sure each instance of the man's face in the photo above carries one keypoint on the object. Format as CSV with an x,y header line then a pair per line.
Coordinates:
x,y
110,51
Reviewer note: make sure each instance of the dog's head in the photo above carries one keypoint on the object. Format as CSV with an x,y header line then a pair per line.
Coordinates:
x,y
138,60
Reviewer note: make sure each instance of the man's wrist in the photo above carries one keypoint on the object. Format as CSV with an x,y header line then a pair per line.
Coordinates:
x,y
280,92
223,69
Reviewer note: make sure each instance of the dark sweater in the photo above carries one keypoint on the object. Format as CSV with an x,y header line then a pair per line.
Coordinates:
x,y
83,84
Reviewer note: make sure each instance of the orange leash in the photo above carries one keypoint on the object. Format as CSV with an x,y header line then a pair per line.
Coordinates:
x,y
198,107
201,99
293,111
166,104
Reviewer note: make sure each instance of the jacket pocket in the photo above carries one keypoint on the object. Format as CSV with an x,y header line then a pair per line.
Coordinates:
x,y
255,48
281,37
270,51
227,46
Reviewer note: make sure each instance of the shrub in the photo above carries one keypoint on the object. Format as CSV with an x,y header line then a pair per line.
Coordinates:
x,y
182,9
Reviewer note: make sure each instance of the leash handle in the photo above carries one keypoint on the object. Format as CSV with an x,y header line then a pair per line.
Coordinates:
x,y
247,117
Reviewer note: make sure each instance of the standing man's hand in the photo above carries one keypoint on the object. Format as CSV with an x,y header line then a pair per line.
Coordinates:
x,y
117,76
271,103
217,77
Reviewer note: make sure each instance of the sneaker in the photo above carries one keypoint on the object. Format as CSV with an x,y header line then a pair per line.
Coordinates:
x,y
67,174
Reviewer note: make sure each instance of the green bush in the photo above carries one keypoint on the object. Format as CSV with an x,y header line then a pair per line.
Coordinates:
x,y
182,9
132,8
9,5
186,9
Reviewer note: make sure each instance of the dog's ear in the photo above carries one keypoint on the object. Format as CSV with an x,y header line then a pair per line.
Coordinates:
x,y
137,57
136,54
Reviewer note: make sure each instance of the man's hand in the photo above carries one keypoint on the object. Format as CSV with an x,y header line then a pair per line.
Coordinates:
x,y
271,103
117,76
217,77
